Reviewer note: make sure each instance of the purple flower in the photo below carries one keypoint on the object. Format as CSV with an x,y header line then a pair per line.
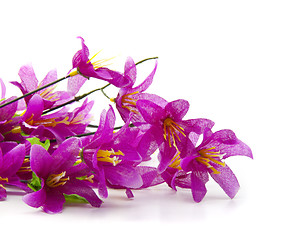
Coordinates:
x,y
11,159
7,118
166,127
113,156
58,125
207,159
87,68
59,175
29,82
129,95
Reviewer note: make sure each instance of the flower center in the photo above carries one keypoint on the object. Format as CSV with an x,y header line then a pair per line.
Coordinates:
x,y
208,156
128,102
56,180
109,156
172,131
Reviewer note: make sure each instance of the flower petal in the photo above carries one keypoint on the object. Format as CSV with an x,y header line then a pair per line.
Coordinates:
x,y
177,109
3,89
13,160
41,161
198,125
147,82
35,107
66,154
82,190
75,83
3,193
7,112
227,180
35,199
149,176
166,154
130,71
123,175
28,78
50,77
151,112
150,141
198,181
227,143
54,202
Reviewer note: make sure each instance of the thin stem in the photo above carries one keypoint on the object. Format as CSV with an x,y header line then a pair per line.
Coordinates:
x,y
34,91
92,133
144,60
76,99
92,126
105,94
116,128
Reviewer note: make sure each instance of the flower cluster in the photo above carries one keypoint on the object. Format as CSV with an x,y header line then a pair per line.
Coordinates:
x,y
48,151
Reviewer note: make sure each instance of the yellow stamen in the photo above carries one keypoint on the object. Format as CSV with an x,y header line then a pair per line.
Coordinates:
x,y
109,156
24,169
4,179
2,186
175,162
93,57
99,63
16,130
208,156
78,162
49,122
56,180
129,103
25,166
89,179
171,131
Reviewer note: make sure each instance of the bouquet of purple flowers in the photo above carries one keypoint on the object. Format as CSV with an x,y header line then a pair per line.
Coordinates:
x,y
48,151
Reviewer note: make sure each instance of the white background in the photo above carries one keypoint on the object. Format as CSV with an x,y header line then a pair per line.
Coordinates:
x,y
230,59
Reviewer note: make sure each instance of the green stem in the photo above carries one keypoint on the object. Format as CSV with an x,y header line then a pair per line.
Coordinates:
x,y
105,94
76,99
116,128
34,91
146,59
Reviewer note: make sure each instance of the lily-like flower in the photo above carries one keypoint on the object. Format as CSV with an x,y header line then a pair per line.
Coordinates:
x,y
29,82
113,156
7,117
11,159
84,66
208,159
58,125
129,95
166,126
59,174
